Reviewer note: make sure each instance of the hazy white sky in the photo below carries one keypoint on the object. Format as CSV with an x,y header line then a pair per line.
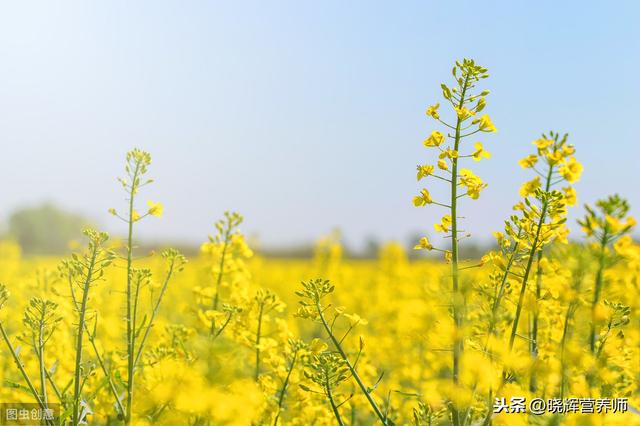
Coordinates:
x,y
302,115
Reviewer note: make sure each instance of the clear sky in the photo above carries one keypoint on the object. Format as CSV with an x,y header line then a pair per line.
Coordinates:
x,y
303,115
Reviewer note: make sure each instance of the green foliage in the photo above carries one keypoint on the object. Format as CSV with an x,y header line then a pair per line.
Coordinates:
x,y
41,318
327,370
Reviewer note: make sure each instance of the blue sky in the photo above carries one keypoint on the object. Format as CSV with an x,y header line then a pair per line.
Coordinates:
x,y
303,116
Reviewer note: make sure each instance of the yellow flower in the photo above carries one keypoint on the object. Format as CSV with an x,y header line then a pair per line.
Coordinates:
x,y
530,187
135,216
423,244
543,143
501,239
528,161
568,150
562,234
355,319
448,256
444,224
443,165
464,113
432,111
435,139
485,124
448,153
613,224
472,182
571,170
491,257
424,170
423,199
624,246
570,195
554,157
316,346
155,209
480,153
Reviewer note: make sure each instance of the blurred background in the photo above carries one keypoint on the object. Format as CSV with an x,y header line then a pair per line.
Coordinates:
x,y
303,116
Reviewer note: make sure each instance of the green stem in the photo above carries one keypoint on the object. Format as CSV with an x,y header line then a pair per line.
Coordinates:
x,y
494,314
334,408
40,355
223,326
285,385
534,326
54,387
458,344
81,324
498,300
536,315
352,369
225,246
134,319
216,298
563,343
106,372
525,278
25,376
533,336
258,335
597,289
130,331
154,313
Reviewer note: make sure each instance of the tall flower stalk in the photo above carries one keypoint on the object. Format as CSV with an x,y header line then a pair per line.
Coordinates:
x,y
83,271
539,219
295,348
225,230
312,296
46,329
466,105
224,252
544,216
607,226
539,232
553,163
136,168
573,302
265,302
41,319
327,371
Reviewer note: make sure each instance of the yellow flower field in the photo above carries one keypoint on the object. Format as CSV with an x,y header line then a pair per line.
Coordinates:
x,y
113,335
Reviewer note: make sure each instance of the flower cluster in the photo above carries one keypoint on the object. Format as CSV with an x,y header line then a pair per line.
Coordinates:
x,y
466,106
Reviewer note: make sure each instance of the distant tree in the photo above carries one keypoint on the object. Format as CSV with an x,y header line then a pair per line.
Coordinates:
x,y
371,247
45,229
